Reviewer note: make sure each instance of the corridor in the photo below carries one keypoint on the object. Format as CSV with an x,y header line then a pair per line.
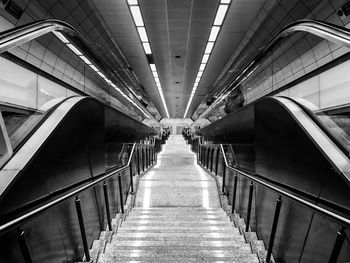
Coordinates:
x,y
176,180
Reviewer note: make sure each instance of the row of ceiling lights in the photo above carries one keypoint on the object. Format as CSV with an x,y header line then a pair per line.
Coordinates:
x,y
215,30
94,68
138,20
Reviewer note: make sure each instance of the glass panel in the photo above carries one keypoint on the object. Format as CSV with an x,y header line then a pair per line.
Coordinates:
x,y
48,90
18,85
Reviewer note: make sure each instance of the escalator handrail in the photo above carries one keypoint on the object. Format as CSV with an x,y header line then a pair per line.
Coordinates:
x,y
334,33
34,213
319,123
303,202
25,33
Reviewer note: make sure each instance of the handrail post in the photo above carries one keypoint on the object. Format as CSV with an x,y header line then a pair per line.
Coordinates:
x,y
109,222
138,161
121,193
223,177
217,162
251,188
143,159
154,155
149,156
212,159
24,247
208,155
233,204
273,229
146,157
131,179
337,245
82,228
201,156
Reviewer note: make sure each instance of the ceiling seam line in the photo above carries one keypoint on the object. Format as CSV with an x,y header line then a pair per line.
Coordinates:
x,y
167,23
187,44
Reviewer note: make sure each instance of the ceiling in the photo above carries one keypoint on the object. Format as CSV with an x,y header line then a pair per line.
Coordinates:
x,y
178,31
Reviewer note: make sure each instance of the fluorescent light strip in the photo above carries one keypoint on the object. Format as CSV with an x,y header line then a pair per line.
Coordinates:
x,y
74,49
142,34
61,37
214,33
153,67
220,15
83,58
134,2
215,30
209,47
94,68
147,48
137,16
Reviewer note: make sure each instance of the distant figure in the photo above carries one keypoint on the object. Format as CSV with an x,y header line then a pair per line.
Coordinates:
x,y
234,100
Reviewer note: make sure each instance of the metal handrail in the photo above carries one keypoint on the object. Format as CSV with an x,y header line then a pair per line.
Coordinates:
x,y
57,201
22,34
324,30
341,234
299,200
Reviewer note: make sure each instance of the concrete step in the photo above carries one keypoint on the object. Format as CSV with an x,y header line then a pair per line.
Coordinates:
x,y
166,238
178,217
105,259
136,211
177,230
180,235
176,223
239,252
177,243
180,228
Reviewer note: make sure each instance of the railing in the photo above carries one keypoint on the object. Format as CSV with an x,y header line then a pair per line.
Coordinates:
x,y
333,33
205,154
145,155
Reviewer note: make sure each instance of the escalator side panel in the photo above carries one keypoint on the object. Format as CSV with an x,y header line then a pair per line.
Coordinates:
x,y
284,153
72,153
236,129
292,228
323,233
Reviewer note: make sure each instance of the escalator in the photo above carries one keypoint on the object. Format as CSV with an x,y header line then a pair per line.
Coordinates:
x,y
73,147
289,148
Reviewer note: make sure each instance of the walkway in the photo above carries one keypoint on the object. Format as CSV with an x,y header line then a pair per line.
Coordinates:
x,y
177,217
177,180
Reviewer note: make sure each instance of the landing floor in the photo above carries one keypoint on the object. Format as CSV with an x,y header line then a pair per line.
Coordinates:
x,y
177,180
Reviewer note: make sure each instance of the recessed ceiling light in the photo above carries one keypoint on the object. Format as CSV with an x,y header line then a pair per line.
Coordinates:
x,y
202,67
136,14
142,34
214,33
61,37
74,49
147,48
205,58
220,15
134,2
153,67
209,48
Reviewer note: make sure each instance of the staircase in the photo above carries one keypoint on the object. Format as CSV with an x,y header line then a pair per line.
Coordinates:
x,y
175,226
177,235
